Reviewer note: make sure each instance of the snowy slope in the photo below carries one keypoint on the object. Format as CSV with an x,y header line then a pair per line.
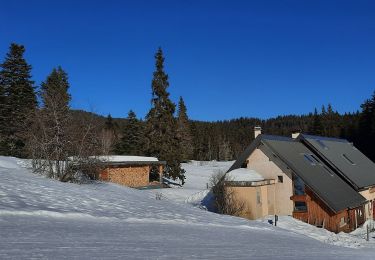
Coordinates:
x,y
45,219
197,178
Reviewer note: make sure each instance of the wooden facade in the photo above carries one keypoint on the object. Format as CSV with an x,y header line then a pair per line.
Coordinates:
x,y
133,175
318,214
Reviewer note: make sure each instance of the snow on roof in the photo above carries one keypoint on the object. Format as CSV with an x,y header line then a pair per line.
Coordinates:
x,y
127,158
244,174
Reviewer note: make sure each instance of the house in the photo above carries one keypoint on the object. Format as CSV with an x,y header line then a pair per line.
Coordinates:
x,y
132,171
310,184
352,165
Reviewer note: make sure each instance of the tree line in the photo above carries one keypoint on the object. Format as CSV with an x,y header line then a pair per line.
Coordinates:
x,y
227,139
37,122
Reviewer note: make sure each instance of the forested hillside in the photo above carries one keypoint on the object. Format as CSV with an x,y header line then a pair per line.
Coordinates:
x,y
165,132
225,140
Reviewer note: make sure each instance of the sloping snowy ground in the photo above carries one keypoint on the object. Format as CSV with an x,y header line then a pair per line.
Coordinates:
x,y
198,176
45,219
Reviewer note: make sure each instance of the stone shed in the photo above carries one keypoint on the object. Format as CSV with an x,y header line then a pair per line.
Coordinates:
x,y
132,171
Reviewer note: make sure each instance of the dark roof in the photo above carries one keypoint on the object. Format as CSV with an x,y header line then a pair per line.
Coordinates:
x,y
245,154
288,153
326,184
340,154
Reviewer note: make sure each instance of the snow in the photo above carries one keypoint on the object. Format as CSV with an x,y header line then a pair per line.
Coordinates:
x,y
355,239
244,174
42,218
126,158
198,176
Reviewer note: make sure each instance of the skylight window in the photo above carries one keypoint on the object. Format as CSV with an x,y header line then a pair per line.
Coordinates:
x,y
348,159
311,159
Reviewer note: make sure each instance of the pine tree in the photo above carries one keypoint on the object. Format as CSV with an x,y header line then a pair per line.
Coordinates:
x,y
316,127
54,91
161,124
18,101
366,127
2,116
132,140
184,131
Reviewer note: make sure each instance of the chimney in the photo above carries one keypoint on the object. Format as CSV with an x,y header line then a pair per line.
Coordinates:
x,y
295,134
257,131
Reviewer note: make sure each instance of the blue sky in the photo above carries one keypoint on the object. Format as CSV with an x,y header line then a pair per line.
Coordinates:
x,y
226,58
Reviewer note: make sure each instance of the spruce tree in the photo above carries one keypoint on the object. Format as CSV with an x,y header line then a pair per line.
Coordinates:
x,y
2,114
161,124
18,101
132,140
366,127
316,127
184,131
54,91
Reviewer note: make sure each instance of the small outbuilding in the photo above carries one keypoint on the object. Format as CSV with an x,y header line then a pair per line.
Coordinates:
x,y
132,171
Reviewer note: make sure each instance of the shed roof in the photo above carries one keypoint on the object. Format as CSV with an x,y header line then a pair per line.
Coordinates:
x,y
351,163
126,158
118,160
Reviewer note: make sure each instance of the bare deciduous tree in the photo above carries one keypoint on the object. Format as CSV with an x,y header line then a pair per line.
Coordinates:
x,y
62,147
225,199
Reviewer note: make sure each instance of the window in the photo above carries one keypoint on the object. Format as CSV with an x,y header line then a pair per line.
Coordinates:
x,y
280,178
348,159
311,159
300,206
298,186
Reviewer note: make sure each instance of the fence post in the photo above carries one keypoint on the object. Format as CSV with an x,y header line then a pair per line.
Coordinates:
x,y
368,233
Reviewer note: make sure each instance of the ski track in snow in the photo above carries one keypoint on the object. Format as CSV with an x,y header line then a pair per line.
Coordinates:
x,y
42,218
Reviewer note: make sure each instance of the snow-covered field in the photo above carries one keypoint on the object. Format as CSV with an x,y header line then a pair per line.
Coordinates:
x,y
45,219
